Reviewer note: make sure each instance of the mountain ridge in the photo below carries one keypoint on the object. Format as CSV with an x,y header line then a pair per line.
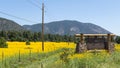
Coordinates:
x,y
6,25
67,27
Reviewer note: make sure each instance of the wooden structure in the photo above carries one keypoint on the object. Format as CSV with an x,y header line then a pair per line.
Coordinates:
x,y
95,41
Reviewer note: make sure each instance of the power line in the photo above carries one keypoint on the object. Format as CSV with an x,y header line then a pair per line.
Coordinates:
x,y
37,2
33,3
17,17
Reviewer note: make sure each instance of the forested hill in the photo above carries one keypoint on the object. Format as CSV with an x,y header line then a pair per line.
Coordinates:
x,y
68,27
7,25
65,27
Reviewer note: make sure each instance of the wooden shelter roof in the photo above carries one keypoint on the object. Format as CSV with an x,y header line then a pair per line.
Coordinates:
x,y
78,35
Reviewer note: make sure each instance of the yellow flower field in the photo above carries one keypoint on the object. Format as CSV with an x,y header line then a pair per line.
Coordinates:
x,y
14,48
117,46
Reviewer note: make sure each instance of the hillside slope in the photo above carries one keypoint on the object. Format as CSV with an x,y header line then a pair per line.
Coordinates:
x,y
7,25
68,27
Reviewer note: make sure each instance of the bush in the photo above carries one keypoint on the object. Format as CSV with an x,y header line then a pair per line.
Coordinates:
x,y
3,43
27,42
117,40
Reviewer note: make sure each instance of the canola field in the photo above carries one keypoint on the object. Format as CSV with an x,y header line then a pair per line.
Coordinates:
x,y
14,48
55,55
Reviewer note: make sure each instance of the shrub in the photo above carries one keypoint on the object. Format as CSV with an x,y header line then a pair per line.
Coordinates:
x,y
117,39
27,42
3,43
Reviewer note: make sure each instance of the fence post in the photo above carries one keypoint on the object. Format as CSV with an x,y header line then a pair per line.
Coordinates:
x,y
19,56
30,55
41,65
2,59
4,62
38,52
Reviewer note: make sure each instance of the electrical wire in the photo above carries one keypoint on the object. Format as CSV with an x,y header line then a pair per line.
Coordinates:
x,y
33,3
17,17
37,2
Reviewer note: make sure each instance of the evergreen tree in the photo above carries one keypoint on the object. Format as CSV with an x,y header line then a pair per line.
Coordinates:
x,y
117,40
34,36
3,43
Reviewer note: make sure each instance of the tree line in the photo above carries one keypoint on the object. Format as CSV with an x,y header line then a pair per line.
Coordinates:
x,y
24,36
117,39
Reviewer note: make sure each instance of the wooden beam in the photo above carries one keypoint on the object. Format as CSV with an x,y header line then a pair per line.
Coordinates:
x,y
78,35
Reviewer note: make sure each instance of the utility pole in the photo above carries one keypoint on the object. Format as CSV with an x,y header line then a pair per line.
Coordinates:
x,y
43,26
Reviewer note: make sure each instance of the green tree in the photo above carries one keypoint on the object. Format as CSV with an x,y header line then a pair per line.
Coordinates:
x,y
27,42
117,39
35,38
3,43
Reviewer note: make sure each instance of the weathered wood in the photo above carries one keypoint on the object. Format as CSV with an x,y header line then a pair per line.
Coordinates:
x,y
95,41
109,42
82,38
111,45
80,48
78,35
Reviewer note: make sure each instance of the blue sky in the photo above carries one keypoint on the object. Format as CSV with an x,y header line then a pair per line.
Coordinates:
x,y
105,13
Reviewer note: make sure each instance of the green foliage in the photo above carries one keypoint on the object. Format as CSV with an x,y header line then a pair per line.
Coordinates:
x,y
117,40
27,42
3,43
77,40
53,60
64,55
33,61
35,36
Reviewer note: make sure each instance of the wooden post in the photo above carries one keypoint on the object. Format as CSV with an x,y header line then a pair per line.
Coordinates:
x,y
109,42
19,56
42,65
81,47
42,26
38,52
82,38
30,55
2,58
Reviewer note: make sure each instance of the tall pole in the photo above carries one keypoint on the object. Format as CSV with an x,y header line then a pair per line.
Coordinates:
x,y
43,26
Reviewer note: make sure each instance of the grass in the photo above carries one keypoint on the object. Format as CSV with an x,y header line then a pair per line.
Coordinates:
x,y
92,60
31,61
63,58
